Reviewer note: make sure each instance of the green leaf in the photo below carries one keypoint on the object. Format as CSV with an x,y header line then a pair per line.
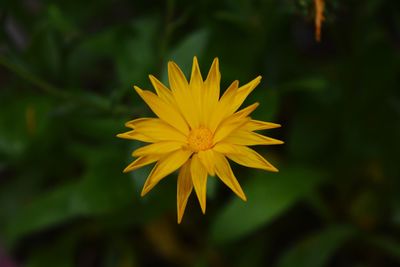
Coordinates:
x,y
58,253
310,84
42,212
316,249
135,57
21,120
269,99
268,196
192,45
212,185
58,20
103,189
120,252
387,244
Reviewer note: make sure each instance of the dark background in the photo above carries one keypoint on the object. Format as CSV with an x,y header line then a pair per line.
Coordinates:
x,y
66,70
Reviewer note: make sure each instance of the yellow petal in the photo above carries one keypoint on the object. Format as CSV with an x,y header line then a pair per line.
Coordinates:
x,y
184,189
162,91
243,92
211,91
223,106
231,91
142,161
196,81
134,123
158,148
163,110
225,148
182,94
255,125
158,130
244,156
226,129
212,83
165,166
250,139
244,112
134,135
224,172
177,79
207,159
199,179
196,88
233,122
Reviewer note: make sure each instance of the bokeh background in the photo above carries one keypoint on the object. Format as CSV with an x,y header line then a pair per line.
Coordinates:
x,y
66,71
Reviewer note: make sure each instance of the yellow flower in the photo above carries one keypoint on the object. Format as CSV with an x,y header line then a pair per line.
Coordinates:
x,y
196,131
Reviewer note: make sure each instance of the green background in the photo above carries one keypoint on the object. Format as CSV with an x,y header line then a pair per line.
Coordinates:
x,y
66,71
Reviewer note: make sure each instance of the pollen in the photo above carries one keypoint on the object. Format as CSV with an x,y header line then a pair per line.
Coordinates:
x,y
200,139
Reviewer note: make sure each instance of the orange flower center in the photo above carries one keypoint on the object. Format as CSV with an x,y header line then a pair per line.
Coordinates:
x,y
200,139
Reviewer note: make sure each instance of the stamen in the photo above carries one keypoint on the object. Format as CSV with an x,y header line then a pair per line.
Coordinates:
x,y
200,139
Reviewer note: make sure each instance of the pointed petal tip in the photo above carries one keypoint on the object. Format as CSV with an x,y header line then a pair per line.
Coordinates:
x,y
242,196
215,65
144,192
195,64
172,64
203,209
126,170
255,82
137,89
202,203
216,62
239,192
270,125
122,136
271,169
128,124
179,216
145,189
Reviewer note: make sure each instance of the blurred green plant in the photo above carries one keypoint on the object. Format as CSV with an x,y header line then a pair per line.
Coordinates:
x,y
66,70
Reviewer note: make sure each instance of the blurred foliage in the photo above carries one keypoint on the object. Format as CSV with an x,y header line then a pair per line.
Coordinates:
x,y
66,70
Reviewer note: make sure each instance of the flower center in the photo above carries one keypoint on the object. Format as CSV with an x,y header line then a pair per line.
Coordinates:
x,y
200,139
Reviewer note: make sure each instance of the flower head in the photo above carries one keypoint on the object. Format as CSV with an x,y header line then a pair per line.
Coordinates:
x,y
196,131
